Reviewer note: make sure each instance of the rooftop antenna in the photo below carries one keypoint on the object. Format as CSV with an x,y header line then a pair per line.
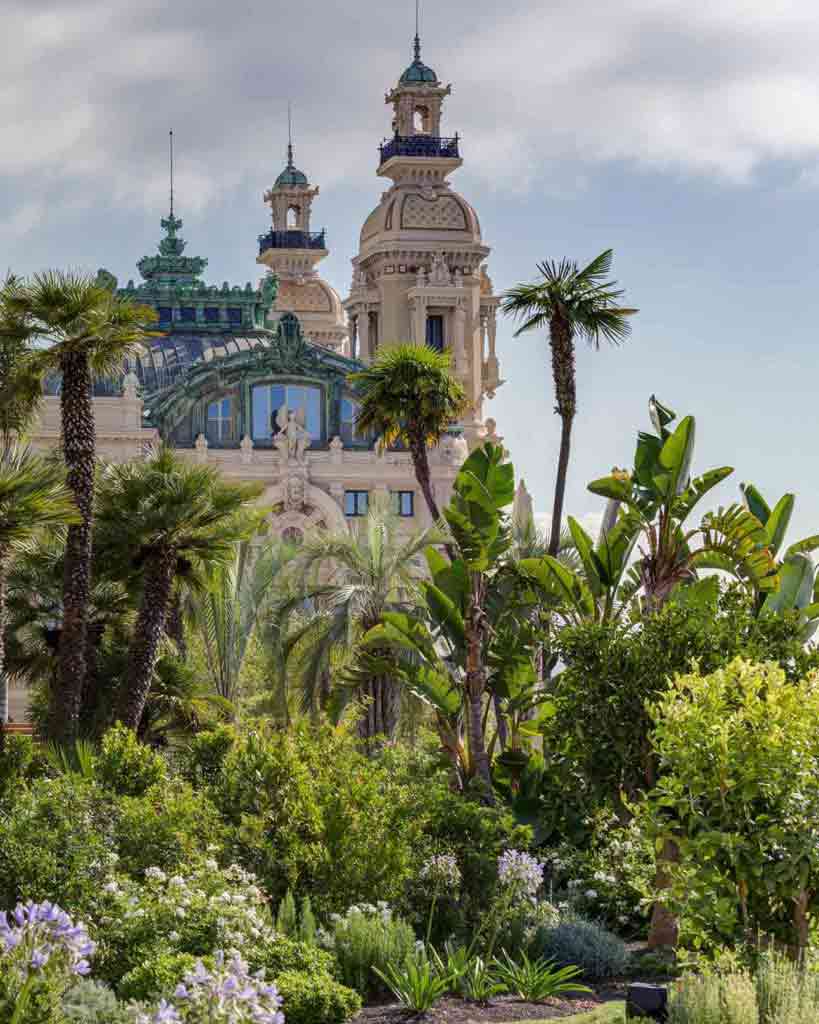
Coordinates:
x,y
417,30
170,148
289,134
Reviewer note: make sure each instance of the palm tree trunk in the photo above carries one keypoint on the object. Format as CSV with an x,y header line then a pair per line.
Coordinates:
x,y
175,625
79,446
420,462
91,722
563,374
150,624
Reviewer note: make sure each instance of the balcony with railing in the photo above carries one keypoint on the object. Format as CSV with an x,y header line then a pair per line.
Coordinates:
x,y
292,240
421,146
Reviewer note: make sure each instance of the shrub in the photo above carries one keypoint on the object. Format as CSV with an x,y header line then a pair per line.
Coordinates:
x,y
127,766
91,1002
415,983
56,843
589,946
16,759
315,998
537,980
369,938
166,827
156,976
278,955
205,756
205,909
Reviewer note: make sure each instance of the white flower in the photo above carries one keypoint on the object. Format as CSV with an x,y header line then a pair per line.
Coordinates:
x,y
590,894
157,874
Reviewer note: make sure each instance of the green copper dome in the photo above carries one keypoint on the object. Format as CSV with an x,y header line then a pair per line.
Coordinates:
x,y
291,176
418,71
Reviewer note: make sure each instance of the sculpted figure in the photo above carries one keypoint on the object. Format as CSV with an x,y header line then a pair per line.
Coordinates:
x,y
293,432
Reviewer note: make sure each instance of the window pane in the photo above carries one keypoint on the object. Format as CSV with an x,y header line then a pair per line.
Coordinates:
x,y
234,315
212,314
261,413
164,313
435,332
406,503
349,503
187,314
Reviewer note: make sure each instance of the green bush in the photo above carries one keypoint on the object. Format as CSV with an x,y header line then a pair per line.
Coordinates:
x,y
591,947
56,844
156,976
310,998
16,758
281,954
91,1002
369,937
166,827
310,813
127,766
206,752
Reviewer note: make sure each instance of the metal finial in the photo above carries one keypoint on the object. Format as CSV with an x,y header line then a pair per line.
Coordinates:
x,y
170,149
417,31
289,134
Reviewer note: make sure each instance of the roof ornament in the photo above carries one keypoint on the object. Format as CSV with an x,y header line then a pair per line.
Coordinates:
x,y
170,154
290,163
417,31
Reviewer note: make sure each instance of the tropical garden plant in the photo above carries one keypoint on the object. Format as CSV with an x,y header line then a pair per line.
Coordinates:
x,y
408,396
82,331
570,301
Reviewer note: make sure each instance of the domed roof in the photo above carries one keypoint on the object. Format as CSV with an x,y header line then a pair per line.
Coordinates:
x,y
412,210
418,72
291,176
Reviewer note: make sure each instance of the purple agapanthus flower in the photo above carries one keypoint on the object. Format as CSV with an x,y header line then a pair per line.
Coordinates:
x,y
39,934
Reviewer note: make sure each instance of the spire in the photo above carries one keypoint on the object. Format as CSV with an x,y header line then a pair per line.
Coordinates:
x,y
170,154
290,163
417,31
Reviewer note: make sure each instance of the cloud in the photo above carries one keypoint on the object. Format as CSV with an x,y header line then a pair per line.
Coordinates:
x,y
88,91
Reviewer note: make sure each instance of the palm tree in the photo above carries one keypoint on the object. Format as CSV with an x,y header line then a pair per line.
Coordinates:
x,y
33,497
81,330
353,579
225,614
408,396
570,301
20,386
164,514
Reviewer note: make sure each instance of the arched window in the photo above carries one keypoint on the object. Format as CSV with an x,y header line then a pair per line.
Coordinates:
x,y
268,399
421,121
293,215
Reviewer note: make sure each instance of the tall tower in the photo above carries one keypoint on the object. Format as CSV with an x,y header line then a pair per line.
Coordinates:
x,y
292,251
419,273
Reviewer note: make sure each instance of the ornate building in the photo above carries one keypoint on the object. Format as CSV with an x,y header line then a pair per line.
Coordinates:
x,y
419,274
254,379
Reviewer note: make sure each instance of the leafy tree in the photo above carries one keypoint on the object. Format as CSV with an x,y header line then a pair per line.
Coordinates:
x,y
457,599
161,515
80,330
570,301
409,397
655,503
738,795
33,498
352,579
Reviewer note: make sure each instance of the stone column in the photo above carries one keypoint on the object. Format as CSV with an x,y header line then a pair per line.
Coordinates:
x,y
363,334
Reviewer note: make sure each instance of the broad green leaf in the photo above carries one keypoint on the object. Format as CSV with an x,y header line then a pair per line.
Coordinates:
x,y
597,576
700,594
676,457
611,487
647,458
777,525
796,576
659,414
446,615
755,503
556,577
451,577
696,489
803,547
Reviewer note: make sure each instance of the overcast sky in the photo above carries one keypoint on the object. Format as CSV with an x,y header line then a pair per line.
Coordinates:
x,y
684,136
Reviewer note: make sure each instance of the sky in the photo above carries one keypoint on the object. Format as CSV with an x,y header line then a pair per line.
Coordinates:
x,y
685,137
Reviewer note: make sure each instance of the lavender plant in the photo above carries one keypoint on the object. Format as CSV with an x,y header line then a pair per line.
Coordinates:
x,y
41,951
228,994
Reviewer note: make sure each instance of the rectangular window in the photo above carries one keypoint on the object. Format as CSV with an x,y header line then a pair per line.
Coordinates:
x,y
164,313
350,434
403,503
356,503
187,314
435,333
211,314
270,399
220,421
234,316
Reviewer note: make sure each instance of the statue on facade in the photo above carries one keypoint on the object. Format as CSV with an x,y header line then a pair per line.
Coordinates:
x,y
130,385
292,431
294,493
439,274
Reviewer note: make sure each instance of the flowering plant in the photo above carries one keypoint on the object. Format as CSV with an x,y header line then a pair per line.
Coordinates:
x,y
442,871
206,908
41,950
367,936
520,872
228,994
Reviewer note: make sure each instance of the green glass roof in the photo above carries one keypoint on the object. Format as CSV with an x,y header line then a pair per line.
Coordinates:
x,y
291,176
418,71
